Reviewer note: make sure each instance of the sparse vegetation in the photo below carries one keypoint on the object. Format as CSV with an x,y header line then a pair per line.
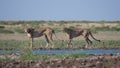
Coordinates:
x,y
6,31
14,44
111,28
106,28
18,30
94,26
28,55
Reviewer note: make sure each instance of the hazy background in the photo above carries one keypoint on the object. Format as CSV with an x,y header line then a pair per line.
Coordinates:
x,y
93,10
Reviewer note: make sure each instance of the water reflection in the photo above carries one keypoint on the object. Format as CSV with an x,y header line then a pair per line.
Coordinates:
x,y
58,52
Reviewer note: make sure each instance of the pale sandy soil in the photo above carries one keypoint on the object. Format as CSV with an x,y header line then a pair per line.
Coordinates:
x,y
60,36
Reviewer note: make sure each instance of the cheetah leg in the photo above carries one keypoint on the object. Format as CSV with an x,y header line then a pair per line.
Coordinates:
x,y
47,40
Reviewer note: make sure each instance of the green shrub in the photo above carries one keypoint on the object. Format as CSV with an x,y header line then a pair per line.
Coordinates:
x,y
14,44
2,27
6,31
106,28
19,30
57,29
115,29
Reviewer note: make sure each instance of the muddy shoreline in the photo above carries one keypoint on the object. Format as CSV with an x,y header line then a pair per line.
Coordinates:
x,y
97,61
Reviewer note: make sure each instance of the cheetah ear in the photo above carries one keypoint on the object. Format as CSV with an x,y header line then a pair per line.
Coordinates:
x,y
30,30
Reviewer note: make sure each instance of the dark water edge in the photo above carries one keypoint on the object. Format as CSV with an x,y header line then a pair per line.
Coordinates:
x,y
60,52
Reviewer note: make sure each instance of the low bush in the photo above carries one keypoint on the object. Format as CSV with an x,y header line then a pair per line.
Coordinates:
x,y
106,28
19,30
2,27
6,31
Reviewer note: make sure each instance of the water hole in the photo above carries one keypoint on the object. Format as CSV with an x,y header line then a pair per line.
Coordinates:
x,y
59,52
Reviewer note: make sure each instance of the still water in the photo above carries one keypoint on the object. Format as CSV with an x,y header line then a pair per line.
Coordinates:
x,y
59,52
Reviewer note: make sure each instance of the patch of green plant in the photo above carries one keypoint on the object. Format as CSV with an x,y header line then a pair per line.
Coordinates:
x,y
57,29
4,59
50,23
31,56
106,44
5,31
28,55
115,29
37,44
19,30
72,27
13,44
72,55
2,27
9,52
60,44
106,28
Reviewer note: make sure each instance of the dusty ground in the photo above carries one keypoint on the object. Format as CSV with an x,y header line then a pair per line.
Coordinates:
x,y
101,61
102,35
60,36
